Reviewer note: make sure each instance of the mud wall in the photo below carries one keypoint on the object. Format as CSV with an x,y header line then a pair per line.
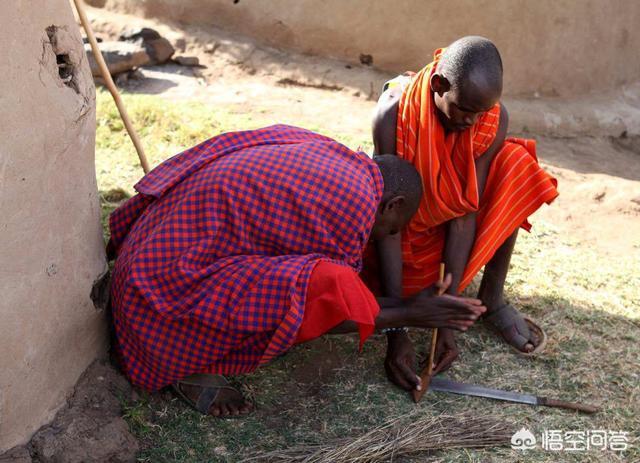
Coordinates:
x,y
549,47
51,248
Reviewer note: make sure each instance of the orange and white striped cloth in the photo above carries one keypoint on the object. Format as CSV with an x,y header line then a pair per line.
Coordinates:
x,y
516,185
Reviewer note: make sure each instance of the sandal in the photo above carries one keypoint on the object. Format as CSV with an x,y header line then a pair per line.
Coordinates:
x,y
507,322
211,386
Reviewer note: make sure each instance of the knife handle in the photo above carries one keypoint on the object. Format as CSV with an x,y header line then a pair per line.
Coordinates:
x,y
569,405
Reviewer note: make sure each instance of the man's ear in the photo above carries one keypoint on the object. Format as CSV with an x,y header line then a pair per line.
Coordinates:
x,y
394,204
439,83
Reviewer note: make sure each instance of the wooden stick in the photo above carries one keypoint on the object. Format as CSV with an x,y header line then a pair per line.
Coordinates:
x,y
106,75
425,376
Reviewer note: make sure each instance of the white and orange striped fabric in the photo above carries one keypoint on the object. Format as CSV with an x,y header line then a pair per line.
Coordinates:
x,y
516,185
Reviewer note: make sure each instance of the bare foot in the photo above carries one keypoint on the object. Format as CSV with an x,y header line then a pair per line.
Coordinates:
x,y
510,323
225,401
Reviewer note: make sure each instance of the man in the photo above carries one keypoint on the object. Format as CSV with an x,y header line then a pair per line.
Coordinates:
x,y
480,187
248,243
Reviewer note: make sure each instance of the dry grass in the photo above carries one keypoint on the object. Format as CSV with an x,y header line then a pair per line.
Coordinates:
x,y
414,434
326,390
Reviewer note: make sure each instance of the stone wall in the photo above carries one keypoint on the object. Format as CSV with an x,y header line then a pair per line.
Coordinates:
x,y
51,248
549,47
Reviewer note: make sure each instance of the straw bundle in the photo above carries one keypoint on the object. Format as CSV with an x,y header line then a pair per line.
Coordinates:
x,y
407,435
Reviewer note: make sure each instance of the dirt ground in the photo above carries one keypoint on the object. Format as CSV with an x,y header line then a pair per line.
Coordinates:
x,y
598,174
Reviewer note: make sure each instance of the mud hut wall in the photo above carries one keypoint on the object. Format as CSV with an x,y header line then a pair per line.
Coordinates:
x,y
549,47
51,247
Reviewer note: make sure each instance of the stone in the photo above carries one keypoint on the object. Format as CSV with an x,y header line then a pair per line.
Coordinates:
x,y
187,60
365,59
137,33
16,455
119,56
157,47
180,44
86,439
160,50
90,429
211,48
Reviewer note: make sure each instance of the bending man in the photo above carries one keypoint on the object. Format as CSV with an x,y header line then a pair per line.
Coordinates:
x,y
240,247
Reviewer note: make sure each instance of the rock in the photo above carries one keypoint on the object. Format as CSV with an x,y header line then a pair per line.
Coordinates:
x,y
136,74
180,44
16,455
86,439
90,429
157,47
160,50
119,56
137,33
187,60
211,48
365,59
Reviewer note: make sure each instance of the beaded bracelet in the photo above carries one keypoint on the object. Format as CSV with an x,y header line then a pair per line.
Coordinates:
x,y
395,330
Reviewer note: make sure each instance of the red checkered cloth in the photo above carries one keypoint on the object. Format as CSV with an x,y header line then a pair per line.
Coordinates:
x,y
215,253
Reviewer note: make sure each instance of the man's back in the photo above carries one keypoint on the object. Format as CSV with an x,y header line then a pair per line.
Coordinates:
x,y
220,243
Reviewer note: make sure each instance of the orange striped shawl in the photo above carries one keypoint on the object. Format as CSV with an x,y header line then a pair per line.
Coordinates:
x,y
516,185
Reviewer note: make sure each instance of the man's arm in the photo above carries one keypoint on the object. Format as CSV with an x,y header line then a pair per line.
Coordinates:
x,y
461,231
390,262
384,122
459,239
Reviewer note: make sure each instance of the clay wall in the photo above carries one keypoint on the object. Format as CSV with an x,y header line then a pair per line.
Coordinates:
x,y
549,47
51,248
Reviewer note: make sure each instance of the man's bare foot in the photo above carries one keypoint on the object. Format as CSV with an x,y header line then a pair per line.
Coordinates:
x,y
514,328
212,395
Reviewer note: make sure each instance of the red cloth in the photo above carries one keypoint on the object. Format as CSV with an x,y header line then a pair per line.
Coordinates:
x,y
515,188
336,294
215,253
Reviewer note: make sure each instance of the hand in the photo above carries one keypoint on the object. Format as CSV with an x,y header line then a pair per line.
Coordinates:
x,y
446,351
400,361
446,311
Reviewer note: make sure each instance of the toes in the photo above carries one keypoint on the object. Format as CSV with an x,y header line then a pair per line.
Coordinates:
x,y
225,411
517,340
231,408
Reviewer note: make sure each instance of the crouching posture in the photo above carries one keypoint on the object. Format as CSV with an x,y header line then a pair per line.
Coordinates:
x,y
479,189
237,249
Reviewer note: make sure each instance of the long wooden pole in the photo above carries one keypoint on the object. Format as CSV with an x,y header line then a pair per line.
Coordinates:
x,y
425,376
106,75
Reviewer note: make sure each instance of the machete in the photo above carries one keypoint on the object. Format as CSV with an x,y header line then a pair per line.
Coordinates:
x,y
446,385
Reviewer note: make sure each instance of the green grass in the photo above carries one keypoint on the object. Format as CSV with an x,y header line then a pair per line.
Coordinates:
x,y
325,389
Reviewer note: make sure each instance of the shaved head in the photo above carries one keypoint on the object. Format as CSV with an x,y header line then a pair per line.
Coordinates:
x,y
472,63
466,82
400,179
401,196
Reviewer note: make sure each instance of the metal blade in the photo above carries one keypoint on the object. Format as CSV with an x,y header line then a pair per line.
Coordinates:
x,y
446,385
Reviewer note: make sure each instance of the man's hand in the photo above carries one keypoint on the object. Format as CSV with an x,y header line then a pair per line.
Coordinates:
x,y
446,311
400,361
446,351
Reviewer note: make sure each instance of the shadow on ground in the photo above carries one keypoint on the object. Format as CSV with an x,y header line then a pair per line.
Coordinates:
x,y
325,389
